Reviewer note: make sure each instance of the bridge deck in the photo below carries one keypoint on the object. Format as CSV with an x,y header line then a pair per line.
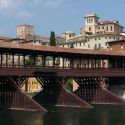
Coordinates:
x,y
62,72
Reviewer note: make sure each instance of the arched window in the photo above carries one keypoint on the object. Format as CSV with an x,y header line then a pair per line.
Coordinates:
x,y
111,28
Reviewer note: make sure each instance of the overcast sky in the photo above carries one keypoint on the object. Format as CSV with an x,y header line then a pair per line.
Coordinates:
x,y
56,15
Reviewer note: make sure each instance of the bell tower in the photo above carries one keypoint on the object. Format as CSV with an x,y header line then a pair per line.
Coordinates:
x,y
91,21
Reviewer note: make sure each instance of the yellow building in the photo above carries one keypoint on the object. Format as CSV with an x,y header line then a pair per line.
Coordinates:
x,y
95,27
94,34
31,85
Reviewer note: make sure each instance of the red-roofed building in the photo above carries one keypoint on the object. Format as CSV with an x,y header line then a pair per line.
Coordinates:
x,y
4,38
95,34
93,26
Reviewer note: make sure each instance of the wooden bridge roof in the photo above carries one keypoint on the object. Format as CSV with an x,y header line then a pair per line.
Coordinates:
x,y
10,47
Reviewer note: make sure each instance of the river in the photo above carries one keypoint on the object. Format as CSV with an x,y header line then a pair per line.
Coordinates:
x,y
100,115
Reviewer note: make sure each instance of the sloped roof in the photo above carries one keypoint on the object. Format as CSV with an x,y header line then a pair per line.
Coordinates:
x,y
4,38
52,49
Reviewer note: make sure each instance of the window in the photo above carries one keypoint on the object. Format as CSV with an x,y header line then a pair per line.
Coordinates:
x,y
89,28
105,37
106,44
80,44
111,28
99,38
92,20
88,45
103,27
95,39
99,45
76,44
95,46
107,28
89,20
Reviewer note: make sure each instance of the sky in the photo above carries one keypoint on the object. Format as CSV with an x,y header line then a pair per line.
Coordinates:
x,y
56,15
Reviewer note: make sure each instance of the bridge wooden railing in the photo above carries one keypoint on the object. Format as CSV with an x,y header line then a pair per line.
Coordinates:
x,y
55,67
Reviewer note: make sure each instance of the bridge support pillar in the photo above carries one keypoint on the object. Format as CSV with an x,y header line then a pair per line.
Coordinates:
x,y
11,96
54,93
92,92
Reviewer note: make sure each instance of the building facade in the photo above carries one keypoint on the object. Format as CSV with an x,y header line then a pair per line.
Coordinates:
x,y
94,27
25,32
31,85
95,34
68,35
117,45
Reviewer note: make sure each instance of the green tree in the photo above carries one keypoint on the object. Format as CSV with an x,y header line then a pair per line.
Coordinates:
x,y
30,60
88,33
69,85
52,39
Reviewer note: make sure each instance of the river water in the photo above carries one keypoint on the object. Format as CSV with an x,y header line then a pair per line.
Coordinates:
x,y
100,115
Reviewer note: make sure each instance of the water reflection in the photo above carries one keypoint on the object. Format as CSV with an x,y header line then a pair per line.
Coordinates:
x,y
100,115
33,120
21,118
63,116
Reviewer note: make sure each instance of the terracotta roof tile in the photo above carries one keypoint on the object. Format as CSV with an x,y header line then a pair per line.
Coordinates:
x,y
61,50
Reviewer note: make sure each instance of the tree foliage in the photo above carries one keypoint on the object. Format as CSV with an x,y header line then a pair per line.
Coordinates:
x,y
52,39
30,60
88,33
69,85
